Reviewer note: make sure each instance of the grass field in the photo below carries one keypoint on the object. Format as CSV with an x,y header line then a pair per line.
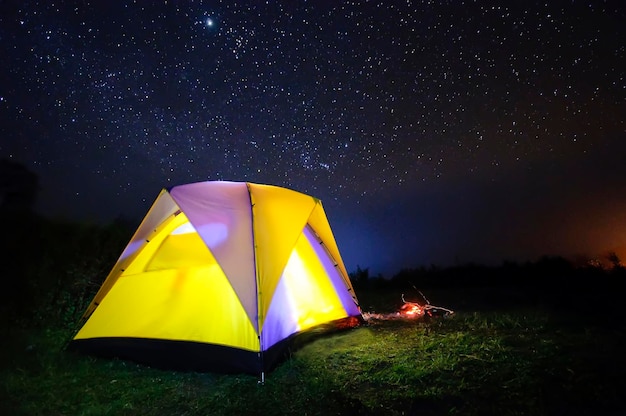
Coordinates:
x,y
512,359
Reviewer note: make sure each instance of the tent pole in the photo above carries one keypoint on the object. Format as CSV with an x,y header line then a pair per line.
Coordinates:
x,y
262,375
259,310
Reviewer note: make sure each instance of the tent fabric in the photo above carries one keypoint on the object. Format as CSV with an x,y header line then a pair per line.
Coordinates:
x,y
220,276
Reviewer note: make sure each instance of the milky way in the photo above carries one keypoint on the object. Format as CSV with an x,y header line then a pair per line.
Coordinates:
x,y
409,120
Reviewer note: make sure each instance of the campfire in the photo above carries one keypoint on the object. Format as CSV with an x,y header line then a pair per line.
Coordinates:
x,y
411,310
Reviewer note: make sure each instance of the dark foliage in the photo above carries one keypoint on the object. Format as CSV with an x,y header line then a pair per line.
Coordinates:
x,y
589,292
54,269
20,237
50,269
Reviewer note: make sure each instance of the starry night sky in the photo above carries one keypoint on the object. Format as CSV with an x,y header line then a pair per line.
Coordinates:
x,y
434,132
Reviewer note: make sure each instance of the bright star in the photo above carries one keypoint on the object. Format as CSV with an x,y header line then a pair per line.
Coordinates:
x,y
209,22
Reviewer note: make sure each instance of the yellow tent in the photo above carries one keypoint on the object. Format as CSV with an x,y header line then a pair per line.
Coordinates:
x,y
219,276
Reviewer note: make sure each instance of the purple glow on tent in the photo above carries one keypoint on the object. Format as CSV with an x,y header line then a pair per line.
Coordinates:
x,y
214,234
346,298
280,321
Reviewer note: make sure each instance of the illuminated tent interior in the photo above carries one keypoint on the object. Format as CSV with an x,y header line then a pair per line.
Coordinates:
x,y
220,276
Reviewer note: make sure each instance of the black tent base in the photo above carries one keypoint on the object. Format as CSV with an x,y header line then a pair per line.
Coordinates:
x,y
203,357
171,355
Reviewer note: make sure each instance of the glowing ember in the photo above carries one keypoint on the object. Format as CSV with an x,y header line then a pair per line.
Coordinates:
x,y
412,309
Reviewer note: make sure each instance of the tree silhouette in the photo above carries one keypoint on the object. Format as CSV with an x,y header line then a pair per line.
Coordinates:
x,y
20,237
18,187
614,259
361,276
